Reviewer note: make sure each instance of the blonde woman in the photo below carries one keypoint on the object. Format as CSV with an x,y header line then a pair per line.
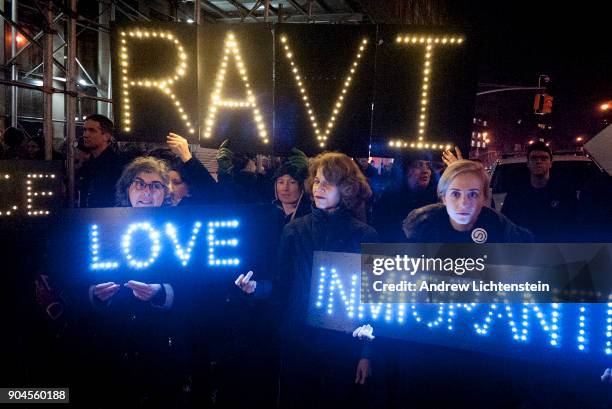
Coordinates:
x,y
462,216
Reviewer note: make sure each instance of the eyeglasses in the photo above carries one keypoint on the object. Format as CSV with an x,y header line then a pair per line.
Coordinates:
x,y
140,184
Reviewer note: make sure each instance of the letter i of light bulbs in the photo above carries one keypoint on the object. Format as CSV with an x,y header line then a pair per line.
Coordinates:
x,y
429,43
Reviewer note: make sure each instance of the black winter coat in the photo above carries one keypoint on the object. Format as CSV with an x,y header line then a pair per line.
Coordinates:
x,y
431,224
98,177
319,231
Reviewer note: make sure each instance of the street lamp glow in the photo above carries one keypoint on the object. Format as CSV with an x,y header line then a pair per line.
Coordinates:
x,y
579,139
605,107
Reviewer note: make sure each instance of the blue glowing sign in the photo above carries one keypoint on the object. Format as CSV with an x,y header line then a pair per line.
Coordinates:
x,y
206,241
531,331
143,253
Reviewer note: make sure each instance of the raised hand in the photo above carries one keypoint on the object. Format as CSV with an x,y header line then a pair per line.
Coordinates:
x,y
179,146
448,157
245,283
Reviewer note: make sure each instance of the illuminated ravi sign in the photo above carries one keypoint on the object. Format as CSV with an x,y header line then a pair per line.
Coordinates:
x,y
554,331
348,88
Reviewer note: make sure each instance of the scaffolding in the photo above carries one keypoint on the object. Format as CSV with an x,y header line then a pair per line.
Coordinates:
x,y
57,35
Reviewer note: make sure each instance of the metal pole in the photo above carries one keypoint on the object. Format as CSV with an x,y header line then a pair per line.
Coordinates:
x,y
266,10
257,4
80,95
71,100
48,86
492,91
197,12
37,37
104,57
14,95
109,91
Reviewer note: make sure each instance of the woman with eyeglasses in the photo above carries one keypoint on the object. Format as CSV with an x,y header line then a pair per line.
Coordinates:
x,y
144,183
317,365
139,310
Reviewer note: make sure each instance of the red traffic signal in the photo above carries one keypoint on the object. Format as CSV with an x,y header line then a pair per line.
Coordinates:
x,y
543,104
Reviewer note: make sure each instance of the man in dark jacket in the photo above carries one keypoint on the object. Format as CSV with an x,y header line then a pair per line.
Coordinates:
x,y
100,173
542,204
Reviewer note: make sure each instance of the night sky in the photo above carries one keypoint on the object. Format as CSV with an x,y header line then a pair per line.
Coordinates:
x,y
520,40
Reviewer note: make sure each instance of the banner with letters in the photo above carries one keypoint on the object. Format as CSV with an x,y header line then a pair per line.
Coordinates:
x,y
378,89
194,243
345,294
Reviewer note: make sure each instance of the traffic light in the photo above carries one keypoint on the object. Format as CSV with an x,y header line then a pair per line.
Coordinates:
x,y
543,104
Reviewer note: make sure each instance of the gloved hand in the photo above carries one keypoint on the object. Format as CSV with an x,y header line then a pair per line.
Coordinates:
x,y
225,158
365,332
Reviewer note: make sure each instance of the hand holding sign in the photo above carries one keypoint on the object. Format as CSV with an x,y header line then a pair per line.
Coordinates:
x,y
607,376
143,291
365,332
105,291
245,283
179,146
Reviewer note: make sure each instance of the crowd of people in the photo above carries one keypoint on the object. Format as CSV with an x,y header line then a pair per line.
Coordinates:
x,y
325,203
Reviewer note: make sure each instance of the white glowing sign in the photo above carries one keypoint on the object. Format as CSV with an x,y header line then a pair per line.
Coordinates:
x,y
32,195
163,85
323,134
429,43
231,53
234,64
